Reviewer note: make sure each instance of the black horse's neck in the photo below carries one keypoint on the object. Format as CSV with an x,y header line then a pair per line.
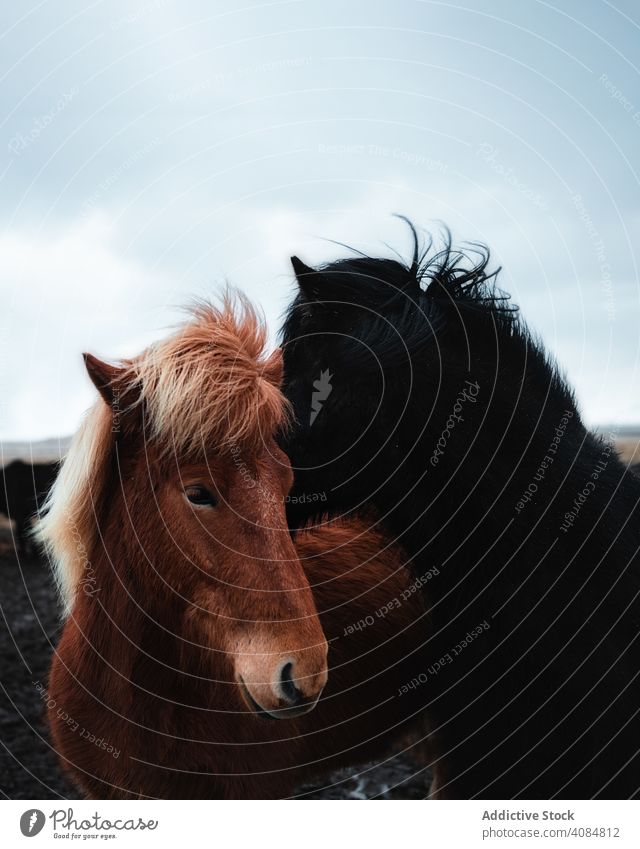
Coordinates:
x,y
503,448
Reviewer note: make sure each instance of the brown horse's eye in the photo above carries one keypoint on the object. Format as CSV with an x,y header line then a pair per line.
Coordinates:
x,y
200,495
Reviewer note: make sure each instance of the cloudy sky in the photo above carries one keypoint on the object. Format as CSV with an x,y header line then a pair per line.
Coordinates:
x,y
153,150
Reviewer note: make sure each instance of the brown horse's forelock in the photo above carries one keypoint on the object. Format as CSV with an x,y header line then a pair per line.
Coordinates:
x,y
206,389
209,385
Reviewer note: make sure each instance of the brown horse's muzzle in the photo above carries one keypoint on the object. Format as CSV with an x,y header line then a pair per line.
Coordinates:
x,y
281,685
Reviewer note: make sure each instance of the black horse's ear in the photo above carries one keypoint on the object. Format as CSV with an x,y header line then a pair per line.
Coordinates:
x,y
309,280
103,376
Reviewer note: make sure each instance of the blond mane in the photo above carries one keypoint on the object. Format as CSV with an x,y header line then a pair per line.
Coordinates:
x,y
206,388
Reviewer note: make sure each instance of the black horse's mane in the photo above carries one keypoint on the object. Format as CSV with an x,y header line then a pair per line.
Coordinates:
x,y
444,274
444,282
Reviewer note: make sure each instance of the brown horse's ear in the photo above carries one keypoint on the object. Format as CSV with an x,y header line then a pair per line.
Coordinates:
x,y
309,280
103,376
274,368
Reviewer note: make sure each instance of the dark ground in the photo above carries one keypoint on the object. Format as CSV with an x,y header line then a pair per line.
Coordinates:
x,y
29,628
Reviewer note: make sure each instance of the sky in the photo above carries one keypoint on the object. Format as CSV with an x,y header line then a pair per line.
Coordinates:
x,y
157,150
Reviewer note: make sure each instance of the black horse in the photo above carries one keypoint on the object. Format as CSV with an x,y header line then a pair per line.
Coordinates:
x,y
418,391
23,489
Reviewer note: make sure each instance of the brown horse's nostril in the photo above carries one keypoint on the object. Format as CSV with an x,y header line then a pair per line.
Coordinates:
x,y
290,693
291,687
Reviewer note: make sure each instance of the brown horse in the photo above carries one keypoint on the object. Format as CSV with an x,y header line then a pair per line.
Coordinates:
x,y
200,738
170,509
189,616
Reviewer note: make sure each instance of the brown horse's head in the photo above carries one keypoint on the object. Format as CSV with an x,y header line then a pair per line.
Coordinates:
x,y
176,489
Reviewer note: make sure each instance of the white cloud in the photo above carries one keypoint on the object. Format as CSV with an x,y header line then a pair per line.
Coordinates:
x,y
79,289
66,293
